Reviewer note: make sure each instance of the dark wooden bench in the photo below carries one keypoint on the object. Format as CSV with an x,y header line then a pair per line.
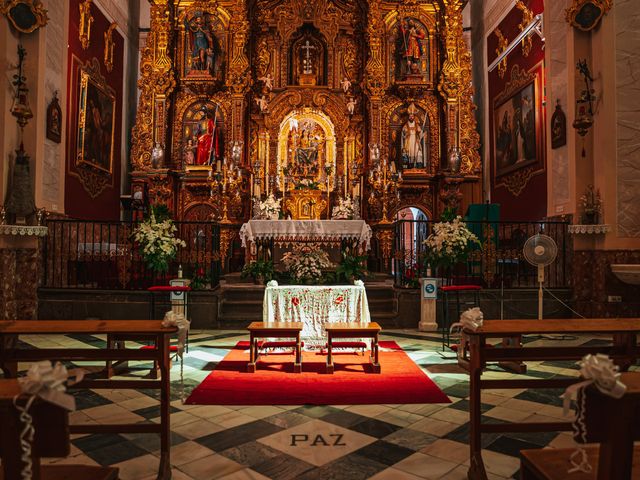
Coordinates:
x,y
51,439
10,355
623,350
353,330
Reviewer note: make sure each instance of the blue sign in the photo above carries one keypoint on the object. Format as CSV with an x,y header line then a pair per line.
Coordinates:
x,y
429,288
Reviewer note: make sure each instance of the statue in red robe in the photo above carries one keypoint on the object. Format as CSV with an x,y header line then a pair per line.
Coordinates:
x,y
208,145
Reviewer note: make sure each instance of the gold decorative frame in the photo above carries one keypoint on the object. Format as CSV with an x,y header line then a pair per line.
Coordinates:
x,y
108,47
599,8
86,19
90,78
15,10
515,177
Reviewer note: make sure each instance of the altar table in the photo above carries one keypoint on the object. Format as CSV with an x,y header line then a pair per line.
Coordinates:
x,y
315,306
327,232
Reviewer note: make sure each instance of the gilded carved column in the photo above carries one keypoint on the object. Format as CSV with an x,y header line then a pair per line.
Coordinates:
x,y
456,89
239,77
156,84
375,70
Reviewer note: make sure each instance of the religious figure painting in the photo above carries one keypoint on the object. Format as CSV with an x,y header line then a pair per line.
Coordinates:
x,y
202,51
202,127
516,130
96,123
412,51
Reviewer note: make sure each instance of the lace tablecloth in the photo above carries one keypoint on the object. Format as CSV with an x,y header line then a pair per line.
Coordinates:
x,y
288,231
315,306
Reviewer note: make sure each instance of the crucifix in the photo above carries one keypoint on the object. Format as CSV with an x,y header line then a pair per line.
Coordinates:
x,y
306,63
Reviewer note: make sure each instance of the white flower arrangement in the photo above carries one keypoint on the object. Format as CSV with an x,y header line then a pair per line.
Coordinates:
x,y
450,243
269,209
158,244
307,184
306,262
345,210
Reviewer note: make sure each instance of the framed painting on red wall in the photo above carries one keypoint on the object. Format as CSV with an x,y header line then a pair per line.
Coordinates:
x,y
96,122
517,123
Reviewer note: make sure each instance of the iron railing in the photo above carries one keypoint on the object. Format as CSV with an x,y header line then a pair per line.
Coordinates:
x,y
103,255
498,262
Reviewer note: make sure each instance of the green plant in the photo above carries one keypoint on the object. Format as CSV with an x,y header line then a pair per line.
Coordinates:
x,y
352,267
259,269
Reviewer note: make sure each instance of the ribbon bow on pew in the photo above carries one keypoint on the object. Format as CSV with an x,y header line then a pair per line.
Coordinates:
x,y
598,370
172,319
47,382
471,319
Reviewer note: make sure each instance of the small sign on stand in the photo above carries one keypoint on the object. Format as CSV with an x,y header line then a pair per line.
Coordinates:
x,y
428,299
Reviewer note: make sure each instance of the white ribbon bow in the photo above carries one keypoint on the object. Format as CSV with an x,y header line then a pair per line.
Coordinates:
x,y
599,370
471,319
172,319
596,369
48,382
272,283
359,283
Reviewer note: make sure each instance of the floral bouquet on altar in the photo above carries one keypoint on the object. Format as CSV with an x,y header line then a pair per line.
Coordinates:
x,y
345,210
450,243
157,242
269,209
305,263
306,184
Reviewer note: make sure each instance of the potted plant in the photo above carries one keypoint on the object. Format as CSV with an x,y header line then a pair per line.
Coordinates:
x,y
200,279
156,239
261,270
352,267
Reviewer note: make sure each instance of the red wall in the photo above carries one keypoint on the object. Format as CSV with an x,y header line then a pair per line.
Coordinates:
x,y
78,202
531,203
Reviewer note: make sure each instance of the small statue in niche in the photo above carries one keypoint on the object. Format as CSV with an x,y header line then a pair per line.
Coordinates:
x,y
413,140
267,82
262,103
189,153
412,47
202,45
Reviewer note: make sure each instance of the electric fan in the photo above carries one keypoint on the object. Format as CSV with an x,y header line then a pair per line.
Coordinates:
x,y
540,251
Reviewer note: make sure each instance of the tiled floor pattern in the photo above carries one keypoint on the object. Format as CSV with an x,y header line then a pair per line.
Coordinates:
x,y
351,442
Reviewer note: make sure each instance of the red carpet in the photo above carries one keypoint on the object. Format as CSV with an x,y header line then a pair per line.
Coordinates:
x,y
274,382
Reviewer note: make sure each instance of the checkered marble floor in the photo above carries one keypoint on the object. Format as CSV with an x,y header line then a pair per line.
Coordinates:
x,y
351,442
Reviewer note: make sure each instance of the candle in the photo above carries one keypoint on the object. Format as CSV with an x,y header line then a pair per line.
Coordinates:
x,y
218,166
393,167
257,191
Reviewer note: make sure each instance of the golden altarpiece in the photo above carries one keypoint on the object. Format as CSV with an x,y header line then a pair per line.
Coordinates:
x,y
310,100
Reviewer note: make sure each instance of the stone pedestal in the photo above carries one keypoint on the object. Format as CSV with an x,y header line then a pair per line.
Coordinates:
x,y
19,260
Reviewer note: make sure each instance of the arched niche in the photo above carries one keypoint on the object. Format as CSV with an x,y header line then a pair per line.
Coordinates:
x,y
308,57
195,124
290,136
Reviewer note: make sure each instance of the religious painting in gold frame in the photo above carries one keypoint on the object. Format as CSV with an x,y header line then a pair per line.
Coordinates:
x,y
96,122
518,123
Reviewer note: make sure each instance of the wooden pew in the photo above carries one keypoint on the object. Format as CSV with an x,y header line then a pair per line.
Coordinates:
x,y
624,351
614,423
10,355
51,439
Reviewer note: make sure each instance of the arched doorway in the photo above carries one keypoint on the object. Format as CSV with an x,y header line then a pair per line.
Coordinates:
x,y
412,229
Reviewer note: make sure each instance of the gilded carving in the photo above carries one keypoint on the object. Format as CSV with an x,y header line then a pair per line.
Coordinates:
x,y
86,19
263,58
503,43
516,181
108,47
527,17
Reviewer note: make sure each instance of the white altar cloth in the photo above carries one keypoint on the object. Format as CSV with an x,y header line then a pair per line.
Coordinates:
x,y
315,306
306,230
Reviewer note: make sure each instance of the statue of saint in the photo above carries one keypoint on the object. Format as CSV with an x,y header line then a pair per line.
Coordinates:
x,y
208,144
412,38
413,140
202,48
